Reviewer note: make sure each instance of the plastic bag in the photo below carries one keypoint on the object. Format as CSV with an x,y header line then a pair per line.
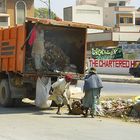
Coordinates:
x,y
42,92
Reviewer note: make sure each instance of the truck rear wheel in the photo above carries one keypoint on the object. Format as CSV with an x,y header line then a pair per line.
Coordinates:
x,y
5,95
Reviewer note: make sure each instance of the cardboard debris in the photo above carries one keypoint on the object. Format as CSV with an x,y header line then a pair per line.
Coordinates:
x,y
126,109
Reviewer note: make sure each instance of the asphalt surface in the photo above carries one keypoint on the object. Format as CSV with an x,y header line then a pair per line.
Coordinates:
x,y
26,122
30,123
111,88
115,88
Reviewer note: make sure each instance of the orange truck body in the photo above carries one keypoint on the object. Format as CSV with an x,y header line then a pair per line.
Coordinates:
x,y
12,57
17,81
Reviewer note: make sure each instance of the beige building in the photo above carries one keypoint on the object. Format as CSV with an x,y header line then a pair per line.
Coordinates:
x,y
112,3
85,11
117,14
14,11
126,35
125,18
86,2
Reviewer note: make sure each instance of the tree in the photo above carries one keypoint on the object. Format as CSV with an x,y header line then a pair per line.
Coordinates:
x,y
43,13
48,4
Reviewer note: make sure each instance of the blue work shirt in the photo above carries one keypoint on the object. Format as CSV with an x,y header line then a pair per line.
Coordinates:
x,y
92,81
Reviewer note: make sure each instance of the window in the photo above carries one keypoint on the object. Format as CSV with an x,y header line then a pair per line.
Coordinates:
x,y
122,3
2,6
137,20
129,20
112,4
126,20
121,20
20,12
3,21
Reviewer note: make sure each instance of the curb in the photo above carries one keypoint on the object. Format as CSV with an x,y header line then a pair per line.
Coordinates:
x,y
121,80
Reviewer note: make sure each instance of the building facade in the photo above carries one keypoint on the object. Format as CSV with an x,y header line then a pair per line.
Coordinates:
x,y
112,52
86,2
112,3
114,13
125,18
13,12
85,12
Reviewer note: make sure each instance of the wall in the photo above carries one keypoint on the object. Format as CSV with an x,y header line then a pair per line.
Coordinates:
x,y
84,2
112,66
88,14
114,36
11,9
85,14
99,37
130,28
101,3
109,17
130,54
124,36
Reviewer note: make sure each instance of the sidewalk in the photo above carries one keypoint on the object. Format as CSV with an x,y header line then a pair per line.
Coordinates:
x,y
120,78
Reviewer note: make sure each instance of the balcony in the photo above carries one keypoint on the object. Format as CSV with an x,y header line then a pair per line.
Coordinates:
x,y
125,9
114,36
134,28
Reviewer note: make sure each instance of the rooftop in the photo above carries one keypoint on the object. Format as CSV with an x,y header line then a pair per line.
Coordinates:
x,y
67,23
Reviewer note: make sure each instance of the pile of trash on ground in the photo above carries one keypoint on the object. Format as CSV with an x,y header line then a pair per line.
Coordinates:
x,y
120,108
127,109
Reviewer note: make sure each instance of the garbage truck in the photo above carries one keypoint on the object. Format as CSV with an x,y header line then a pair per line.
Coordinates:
x,y
64,51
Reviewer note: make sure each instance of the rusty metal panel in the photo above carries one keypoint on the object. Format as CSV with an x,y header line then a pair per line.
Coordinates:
x,y
6,34
13,33
20,53
0,48
12,50
68,24
7,52
11,55
5,43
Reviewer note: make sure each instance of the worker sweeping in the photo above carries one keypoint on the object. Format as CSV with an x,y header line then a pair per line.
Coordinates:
x,y
60,91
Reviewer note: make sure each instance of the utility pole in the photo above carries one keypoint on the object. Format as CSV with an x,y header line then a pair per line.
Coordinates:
x,y
48,3
49,9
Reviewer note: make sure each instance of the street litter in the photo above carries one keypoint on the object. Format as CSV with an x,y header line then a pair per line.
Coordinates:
x,y
121,108
128,110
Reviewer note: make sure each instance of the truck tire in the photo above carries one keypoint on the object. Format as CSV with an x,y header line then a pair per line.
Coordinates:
x,y
5,95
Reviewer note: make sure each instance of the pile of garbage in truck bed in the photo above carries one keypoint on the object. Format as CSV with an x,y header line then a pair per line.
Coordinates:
x,y
128,109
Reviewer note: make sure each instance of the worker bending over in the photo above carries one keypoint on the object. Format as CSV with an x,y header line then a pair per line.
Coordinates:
x,y
60,92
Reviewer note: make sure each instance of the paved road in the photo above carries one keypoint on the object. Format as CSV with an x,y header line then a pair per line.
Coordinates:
x,y
29,123
112,88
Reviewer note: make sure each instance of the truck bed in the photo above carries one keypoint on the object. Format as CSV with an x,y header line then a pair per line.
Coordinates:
x,y
69,42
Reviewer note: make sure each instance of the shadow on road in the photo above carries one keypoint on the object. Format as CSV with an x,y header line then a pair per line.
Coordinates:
x,y
67,117
23,108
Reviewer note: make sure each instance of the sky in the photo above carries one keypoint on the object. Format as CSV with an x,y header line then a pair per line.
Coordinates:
x,y
58,5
